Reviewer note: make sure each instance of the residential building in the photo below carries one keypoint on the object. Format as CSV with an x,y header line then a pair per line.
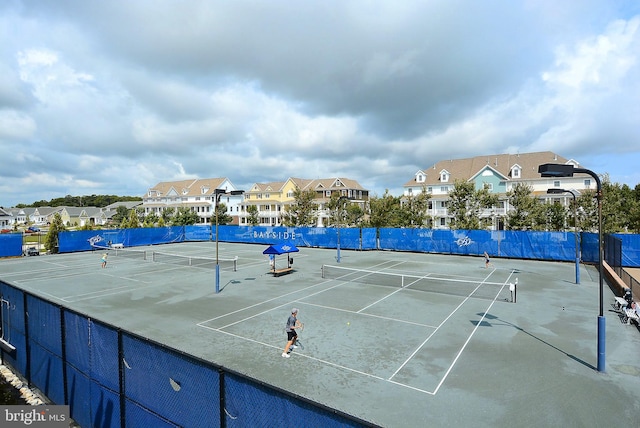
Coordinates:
x,y
43,215
499,174
18,215
106,214
82,216
272,198
6,218
196,194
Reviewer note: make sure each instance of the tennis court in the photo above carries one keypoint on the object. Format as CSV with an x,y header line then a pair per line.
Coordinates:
x,y
397,339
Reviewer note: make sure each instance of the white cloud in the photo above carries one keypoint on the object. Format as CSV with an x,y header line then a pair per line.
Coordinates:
x,y
260,93
16,125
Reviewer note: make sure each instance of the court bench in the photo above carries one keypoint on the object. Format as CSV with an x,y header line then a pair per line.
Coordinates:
x,y
283,271
629,315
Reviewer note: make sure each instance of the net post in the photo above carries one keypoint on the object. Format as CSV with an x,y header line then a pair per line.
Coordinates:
x,y
322,270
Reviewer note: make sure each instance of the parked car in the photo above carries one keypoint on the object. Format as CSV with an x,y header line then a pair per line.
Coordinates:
x,y
32,251
5,231
32,229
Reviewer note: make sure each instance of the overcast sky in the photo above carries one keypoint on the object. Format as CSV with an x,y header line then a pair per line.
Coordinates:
x,y
112,97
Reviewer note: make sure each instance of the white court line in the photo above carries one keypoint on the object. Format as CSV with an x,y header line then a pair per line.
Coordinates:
x,y
300,354
441,324
110,292
128,287
329,363
367,315
276,298
455,360
284,304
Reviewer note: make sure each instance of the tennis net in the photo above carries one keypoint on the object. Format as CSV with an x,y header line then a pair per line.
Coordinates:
x,y
202,262
431,283
124,252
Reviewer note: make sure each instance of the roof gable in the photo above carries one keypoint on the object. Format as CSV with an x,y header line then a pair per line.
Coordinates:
x,y
466,169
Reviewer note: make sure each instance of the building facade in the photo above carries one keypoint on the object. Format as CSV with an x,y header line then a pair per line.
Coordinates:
x,y
199,195
272,199
497,173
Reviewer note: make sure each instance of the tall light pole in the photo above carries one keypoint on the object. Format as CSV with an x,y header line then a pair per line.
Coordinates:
x,y
575,225
563,170
340,199
217,194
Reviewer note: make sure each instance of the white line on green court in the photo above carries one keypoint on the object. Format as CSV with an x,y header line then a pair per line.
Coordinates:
x,y
366,314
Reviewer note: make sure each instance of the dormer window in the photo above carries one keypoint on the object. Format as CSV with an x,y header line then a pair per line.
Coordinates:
x,y
516,171
444,176
204,190
420,178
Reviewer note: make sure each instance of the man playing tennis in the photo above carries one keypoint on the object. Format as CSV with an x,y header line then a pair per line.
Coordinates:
x,y
292,336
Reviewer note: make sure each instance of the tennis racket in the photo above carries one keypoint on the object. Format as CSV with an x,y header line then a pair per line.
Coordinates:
x,y
299,328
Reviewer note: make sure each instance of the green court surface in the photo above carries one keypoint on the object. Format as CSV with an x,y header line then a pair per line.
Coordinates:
x,y
396,357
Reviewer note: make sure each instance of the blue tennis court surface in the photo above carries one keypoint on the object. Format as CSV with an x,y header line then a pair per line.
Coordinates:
x,y
396,339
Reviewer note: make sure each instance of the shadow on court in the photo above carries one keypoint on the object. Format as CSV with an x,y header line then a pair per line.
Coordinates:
x,y
495,321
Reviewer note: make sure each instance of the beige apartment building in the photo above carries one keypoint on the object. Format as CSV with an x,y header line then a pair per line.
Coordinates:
x,y
272,198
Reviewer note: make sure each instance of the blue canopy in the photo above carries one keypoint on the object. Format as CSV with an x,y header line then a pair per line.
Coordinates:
x,y
281,249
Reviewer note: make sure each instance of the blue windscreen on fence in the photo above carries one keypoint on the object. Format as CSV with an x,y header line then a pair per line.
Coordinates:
x,y
10,244
111,378
276,409
170,384
92,371
45,348
559,246
630,249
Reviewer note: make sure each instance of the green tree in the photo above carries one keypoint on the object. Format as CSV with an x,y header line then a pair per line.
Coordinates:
x,y
384,211
617,206
634,217
185,216
354,215
522,216
466,204
223,216
587,211
553,217
122,213
337,206
413,210
168,214
82,201
301,212
252,215
51,239
133,221
150,220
